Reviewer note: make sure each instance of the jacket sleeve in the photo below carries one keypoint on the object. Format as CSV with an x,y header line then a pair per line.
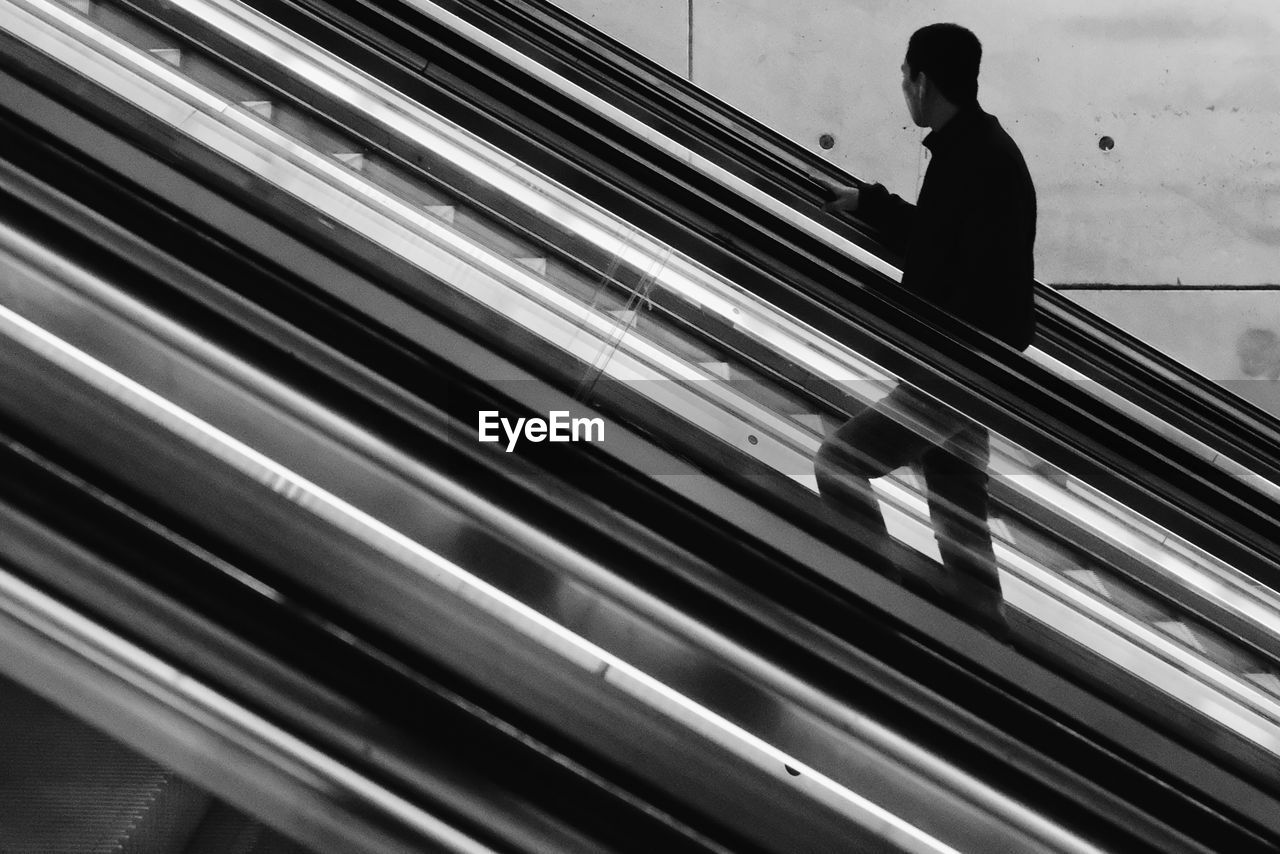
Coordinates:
x,y
889,214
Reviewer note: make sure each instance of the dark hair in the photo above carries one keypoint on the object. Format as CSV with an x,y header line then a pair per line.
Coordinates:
x,y
950,55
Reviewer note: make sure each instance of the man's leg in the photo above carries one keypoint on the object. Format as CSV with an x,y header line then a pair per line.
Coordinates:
x,y
956,478
870,444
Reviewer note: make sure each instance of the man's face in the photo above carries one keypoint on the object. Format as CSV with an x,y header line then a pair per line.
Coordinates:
x,y
913,92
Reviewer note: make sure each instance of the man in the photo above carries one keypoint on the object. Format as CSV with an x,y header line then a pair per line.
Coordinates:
x,y
967,248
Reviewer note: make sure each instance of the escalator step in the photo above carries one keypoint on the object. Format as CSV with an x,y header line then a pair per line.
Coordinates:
x,y
1090,580
1182,632
769,395
444,212
410,188
170,822
1229,656
718,369
171,55
310,132
351,159
536,264
492,236
131,30
663,331
262,108
216,78
65,787
225,830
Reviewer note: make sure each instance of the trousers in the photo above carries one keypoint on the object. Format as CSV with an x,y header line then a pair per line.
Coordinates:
x,y
948,450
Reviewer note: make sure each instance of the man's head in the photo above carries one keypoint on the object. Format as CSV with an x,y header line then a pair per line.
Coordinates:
x,y
941,66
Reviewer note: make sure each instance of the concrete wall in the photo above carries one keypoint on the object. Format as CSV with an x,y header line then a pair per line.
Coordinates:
x,y
1189,90
1230,336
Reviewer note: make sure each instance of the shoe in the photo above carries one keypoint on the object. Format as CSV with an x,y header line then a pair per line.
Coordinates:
x,y
977,603
993,622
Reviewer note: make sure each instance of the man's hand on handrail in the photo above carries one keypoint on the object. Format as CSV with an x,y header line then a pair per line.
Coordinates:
x,y
841,198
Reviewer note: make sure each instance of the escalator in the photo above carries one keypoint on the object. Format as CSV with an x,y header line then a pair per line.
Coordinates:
x,y
666,349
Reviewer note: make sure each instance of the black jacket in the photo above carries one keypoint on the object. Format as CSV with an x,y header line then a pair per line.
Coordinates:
x,y
967,242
